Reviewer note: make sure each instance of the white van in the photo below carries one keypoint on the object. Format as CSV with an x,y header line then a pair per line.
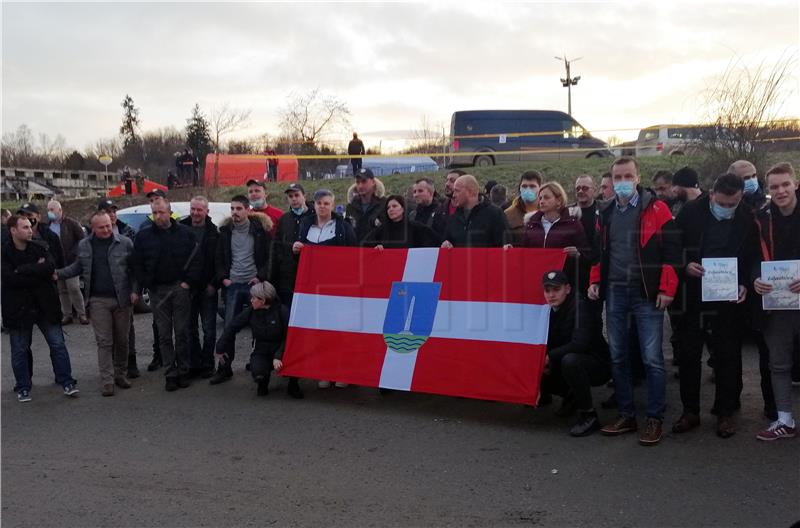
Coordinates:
x,y
679,140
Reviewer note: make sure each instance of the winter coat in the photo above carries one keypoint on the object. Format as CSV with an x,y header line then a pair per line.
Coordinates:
x,y
119,262
515,216
177,244
431,215
208,251
567,231
402,234
71,234
365,221
345,235
283,265
260,227
29,293
658,248
572,330
52,242
485,226
268,327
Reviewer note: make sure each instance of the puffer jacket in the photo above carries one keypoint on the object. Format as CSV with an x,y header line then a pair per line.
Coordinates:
x,y
120,253
268,327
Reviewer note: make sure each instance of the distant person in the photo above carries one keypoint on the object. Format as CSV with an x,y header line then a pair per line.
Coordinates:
x,y
272,165
355,148
70,233
526,202
172,180
498,196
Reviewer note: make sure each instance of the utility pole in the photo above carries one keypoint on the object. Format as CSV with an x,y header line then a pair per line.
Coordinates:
x,y
569,82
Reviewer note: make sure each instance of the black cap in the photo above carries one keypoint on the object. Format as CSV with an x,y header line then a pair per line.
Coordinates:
x,y
260,183
363,174
157,192
555,278
28,208
294,187
686,177
106,205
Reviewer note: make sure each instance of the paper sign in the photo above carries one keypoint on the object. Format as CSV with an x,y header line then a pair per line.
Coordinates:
x,y
721,279
502,138
780,273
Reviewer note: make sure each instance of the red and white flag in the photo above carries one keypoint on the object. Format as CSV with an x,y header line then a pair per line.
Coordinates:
x,y
458,322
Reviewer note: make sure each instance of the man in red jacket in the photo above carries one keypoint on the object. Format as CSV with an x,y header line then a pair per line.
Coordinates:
x,y
257,194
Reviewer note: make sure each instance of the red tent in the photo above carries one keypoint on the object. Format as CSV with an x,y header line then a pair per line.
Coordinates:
x,y
149,185
237,169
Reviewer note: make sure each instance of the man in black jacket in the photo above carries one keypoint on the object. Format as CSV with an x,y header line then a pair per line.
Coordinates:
x,y
355,148
284,263
717,225
29,296
42,232
476,223
577,353
204,292
429,208
365,210
166,261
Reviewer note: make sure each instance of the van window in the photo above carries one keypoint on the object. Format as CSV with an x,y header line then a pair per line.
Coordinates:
x,y
649,135
678,133
572,130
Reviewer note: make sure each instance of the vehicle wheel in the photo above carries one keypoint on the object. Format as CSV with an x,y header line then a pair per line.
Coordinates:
x,y
483,161
595,155
143,305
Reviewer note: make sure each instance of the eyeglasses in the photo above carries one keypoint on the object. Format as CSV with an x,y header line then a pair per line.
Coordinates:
x,y
580,188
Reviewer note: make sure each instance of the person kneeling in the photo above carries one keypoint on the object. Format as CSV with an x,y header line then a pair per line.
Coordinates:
x,y
269,321
577,354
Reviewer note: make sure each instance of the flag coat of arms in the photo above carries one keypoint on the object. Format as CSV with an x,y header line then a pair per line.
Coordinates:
x,y
459,322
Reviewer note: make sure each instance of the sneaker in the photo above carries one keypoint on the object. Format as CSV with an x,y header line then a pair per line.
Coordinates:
x,y
324,384
108,390
70,389
587,424
776,431
23,396
652,432
340,385
624,424
686,423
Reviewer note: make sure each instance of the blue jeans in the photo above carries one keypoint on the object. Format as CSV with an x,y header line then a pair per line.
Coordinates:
x,y
204,308
625,304
20,343
236,296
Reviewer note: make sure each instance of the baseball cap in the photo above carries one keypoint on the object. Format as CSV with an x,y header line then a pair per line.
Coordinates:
x,y
157,192
363,174
260,183
28,208
106,205
295,187
555,278
686,177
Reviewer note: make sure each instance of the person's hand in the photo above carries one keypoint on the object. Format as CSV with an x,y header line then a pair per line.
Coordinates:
x,y
742,295
296,247
447,245
794,286
593,292
546,368
762,287
277,364
210,291
226,282
572,251
663,301
508,246
55,276
379,247
40,261
134,298
253,281
221,358
184,285
693,269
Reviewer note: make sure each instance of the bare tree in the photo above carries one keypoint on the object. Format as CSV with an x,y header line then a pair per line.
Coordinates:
x,y
743,106
428,138
308,116
225,120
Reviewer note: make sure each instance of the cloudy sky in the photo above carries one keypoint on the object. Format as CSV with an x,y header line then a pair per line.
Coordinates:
x,y
66,67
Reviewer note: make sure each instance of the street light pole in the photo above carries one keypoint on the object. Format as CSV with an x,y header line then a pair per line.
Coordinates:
x,y
569,82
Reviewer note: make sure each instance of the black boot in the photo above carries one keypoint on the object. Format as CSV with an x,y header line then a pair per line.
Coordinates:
x,y
294,389
183,381
155,364
587,424
171,384
263,387
223,373
133,370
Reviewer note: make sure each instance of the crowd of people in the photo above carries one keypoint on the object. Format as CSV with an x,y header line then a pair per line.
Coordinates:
x,y
633,262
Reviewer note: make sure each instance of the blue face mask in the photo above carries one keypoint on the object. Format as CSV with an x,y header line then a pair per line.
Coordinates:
x,y
51,216
257,204
722,213
298,210
750,186
624,189
528,195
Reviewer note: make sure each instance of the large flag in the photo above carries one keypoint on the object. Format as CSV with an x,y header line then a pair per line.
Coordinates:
x,y
459,322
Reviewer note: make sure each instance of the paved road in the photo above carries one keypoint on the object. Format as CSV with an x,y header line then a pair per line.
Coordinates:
x,y
220,456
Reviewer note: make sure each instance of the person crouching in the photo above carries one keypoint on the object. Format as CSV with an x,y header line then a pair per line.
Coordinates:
x,y
269,321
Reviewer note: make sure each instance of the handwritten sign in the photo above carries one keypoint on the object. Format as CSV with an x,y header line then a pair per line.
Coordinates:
x,y
780,273
721,279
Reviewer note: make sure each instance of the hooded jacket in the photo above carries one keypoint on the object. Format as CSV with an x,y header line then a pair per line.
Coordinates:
x,y
658,247
364,221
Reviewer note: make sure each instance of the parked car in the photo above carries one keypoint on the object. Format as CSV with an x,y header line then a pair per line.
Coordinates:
x,y
135,217
679,140
533,135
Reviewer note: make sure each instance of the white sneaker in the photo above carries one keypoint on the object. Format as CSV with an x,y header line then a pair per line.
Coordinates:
x,y
324,384
340,385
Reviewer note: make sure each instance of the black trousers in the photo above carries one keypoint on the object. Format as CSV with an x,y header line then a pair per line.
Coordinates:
x,y
576,374
719,319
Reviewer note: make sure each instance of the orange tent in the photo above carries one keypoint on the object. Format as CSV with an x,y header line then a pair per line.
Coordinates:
x,y
235,170
149,185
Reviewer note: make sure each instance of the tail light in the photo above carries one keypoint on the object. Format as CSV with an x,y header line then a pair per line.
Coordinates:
x,y
455,145
660,147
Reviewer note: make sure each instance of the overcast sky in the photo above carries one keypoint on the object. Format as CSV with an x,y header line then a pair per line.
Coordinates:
x,y
66,67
